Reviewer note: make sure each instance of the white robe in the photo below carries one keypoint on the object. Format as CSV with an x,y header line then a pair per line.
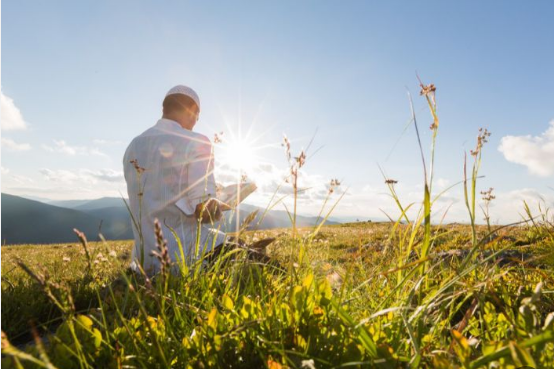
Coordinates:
x,y
178,174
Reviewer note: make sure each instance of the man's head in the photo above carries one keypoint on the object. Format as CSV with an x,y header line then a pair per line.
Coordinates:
x,y
182,105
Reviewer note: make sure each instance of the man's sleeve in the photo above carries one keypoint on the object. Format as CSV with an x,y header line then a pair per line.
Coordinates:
x,y
197,180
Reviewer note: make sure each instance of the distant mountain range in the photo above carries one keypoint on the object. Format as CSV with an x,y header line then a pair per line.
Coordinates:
x,y
104,202
35,222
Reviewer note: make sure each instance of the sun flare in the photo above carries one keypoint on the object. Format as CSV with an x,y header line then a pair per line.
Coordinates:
x,y
238,154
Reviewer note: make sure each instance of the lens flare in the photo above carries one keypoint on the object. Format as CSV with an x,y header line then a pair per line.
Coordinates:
x,y
238,154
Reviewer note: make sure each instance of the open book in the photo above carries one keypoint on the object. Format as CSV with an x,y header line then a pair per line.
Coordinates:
x,y
235,193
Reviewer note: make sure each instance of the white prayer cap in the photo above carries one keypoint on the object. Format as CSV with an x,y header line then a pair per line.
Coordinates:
x,y
184,90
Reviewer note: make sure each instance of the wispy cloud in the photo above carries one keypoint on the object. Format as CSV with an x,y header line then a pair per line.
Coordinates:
x,y
20,179
63,147
59,192
10,179
83,176
535,152
62,184
11,145
11,116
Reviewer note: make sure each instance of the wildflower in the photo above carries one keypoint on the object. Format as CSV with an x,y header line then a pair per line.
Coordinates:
x,y
66,259
334,279
161,244
333,184
482,138
218,138
427,90
138,168
301,159
487,195
286,144
149,286
84,242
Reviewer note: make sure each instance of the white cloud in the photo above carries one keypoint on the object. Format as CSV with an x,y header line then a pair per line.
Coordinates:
x,y
11,116
11,145
61,184
105,175
269,178
508,207
60,176
60,192
535,152
62,147
20,179
84,177
10,179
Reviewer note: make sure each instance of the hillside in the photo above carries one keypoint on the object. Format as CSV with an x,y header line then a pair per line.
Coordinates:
x,y
71,204
102,203
29,221
113,209
108,215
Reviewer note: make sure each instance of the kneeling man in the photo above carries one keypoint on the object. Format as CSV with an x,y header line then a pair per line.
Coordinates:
x,y
169,175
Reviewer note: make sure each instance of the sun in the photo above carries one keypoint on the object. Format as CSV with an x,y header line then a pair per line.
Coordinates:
x,y
238,154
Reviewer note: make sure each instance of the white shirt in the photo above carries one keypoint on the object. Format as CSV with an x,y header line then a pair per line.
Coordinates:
x,y
178,175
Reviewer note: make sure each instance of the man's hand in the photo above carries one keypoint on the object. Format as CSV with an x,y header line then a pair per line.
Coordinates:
x,y
211,210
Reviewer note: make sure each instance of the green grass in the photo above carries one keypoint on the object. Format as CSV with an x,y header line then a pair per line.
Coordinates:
x,y
343,305
23,299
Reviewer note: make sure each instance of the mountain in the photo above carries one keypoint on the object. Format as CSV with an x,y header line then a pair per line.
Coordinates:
x,y
113,209
104,202
70,204
116,222
29,221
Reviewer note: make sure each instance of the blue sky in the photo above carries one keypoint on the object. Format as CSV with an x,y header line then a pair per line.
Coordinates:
x,y
87,77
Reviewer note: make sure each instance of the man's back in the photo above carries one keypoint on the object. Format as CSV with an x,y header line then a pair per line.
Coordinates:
x,y
169,171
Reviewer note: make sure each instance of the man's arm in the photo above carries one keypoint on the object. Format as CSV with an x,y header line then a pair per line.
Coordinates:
x,y
210,210
201,189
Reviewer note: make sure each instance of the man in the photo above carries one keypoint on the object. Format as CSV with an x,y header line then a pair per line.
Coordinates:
x,y
169,175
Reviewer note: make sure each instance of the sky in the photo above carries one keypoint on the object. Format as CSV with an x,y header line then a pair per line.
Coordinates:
x,y
81,79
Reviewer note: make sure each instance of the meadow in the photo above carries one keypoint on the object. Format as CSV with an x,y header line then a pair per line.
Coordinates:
x,y
401,294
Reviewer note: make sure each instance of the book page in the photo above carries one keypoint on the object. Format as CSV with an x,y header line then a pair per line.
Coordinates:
x,y
230,194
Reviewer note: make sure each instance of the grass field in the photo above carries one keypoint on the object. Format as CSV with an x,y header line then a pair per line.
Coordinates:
x,y
344,303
